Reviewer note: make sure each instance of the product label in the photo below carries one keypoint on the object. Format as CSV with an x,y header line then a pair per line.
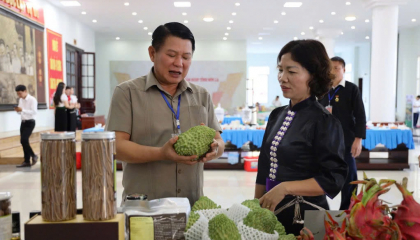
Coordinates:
x,y
6,227
164,226
141,228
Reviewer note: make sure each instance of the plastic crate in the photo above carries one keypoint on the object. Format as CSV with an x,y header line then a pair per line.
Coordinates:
x,y
251,164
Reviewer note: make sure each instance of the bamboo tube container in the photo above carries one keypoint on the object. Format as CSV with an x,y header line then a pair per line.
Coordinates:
x,y
99,176
58,176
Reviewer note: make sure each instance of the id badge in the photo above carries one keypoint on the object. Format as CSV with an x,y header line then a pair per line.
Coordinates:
x,y
329,108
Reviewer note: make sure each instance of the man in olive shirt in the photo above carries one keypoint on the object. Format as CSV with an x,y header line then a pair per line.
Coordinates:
x,y
148,111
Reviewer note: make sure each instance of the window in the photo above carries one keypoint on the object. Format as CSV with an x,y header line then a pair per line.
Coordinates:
x,y
257,85
71,69
88,76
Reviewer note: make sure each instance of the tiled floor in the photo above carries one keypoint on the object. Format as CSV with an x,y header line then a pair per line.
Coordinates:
x,y
224,187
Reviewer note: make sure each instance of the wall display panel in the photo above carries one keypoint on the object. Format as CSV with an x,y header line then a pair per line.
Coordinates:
x,y
21,60
224,80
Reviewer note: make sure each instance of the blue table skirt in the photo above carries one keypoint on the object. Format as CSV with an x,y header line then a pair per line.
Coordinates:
x,y
239,137
228,120
390,138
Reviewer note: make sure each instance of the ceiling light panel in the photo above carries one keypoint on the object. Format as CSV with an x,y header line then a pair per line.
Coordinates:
x,y
293,4
182,4
70,3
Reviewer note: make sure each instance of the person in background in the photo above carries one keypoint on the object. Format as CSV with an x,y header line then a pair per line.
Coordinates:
x,y
27,108
276,102
75,101
345,102
71,112
302,153
416,111
61,104
258,107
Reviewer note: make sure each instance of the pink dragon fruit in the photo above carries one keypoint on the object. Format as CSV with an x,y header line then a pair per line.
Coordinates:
x,y
407,216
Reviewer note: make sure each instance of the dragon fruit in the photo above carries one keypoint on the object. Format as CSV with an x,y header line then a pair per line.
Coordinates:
x,y
333,229
368,219
305,234
407,216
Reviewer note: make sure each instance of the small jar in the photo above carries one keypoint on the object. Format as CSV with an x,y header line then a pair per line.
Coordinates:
x,y
99,176
58,176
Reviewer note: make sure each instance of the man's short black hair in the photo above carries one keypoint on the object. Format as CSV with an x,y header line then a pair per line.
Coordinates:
x,y
339,59
20,88
175,29
418,96
67,88
2,41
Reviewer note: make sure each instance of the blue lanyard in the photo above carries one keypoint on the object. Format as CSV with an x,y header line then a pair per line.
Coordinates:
x,y
178,125
331,97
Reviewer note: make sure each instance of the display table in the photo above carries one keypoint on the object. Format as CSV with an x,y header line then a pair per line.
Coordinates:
x,y
92,121
234,140
94,129
240,137
394,154
228,120
390,138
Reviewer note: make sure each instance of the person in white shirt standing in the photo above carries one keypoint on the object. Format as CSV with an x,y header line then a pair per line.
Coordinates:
x,y
276,102
27,108
416,111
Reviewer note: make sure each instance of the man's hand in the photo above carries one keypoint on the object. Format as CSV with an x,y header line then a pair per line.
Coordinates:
x,y
356,148
168,153
212,153
18,109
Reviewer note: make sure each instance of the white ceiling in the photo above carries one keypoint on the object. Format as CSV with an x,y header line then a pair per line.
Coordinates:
x,y
254,17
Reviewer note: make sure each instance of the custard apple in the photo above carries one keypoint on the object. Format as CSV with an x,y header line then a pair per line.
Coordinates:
x,y
222,228
252,204
261,219
204,203
195,141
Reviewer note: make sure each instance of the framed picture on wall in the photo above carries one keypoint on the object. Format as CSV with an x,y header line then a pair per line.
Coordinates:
x,y
21,60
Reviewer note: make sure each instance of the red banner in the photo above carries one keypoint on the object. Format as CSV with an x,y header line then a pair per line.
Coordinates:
x,y
25,8
55,64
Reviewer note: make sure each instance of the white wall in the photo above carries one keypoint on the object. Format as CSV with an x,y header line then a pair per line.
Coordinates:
x,y
113,50
408,52
71,29
362,70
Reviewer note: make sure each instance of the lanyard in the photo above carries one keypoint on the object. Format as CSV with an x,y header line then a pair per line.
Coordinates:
x,y
178,124
331,97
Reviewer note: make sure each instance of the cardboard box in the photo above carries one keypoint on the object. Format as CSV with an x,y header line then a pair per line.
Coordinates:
x,y
38,229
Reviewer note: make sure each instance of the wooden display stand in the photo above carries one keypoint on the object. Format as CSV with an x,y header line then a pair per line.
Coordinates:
x,y
37,229
397,159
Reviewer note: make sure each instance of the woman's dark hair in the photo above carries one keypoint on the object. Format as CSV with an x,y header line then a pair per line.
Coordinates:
x,y
311,54
58,93
171,29
20,88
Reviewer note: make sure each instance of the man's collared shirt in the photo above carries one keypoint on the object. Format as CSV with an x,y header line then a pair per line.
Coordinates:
x,y
29,107
138,108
